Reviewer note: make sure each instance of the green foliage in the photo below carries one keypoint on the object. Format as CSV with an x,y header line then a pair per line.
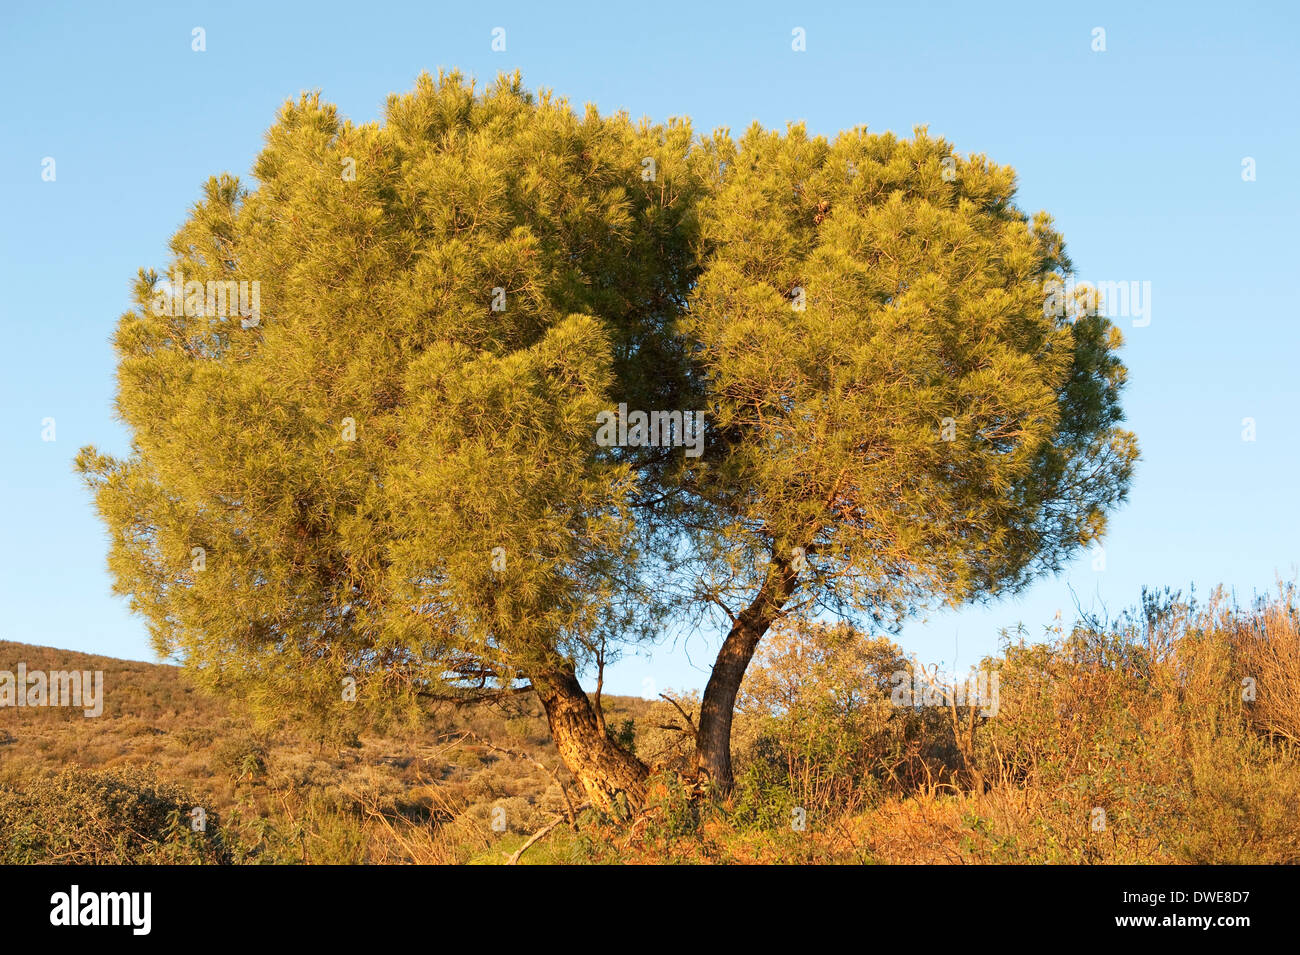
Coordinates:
x,y
852,301
764,796
242,758
672,809
119,818
625,735
373,559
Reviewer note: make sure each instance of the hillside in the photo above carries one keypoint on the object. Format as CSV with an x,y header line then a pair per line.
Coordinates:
x,y
465,764
1168,735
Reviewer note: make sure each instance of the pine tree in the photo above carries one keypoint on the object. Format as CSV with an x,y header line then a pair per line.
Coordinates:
x,y
363,402
901,416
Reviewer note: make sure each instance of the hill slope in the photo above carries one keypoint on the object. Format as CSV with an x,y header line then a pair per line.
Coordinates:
x,y
467,762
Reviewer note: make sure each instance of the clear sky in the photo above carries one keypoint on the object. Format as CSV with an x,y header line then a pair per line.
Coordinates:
x,y
1136,151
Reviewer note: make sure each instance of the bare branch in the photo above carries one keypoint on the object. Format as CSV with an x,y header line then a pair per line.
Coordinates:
x,y
540,833
686,716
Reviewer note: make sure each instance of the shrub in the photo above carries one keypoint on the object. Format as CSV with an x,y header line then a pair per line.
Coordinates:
x,y
819,730
242,758
120,817
1145,719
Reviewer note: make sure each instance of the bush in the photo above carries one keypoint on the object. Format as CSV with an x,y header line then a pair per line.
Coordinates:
x,y
88,818
818,728
1145,719
242,758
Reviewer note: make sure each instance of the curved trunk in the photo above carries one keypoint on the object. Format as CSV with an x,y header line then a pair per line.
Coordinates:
x,y
614,779
713,739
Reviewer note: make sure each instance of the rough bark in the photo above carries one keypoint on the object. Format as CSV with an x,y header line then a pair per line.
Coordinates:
x,y
614,779
713,738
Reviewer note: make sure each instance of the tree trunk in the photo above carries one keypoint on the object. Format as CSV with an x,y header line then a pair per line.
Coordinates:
x,y
713,739
614,779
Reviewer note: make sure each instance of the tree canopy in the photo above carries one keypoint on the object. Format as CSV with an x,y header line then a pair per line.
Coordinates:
x,y
388,472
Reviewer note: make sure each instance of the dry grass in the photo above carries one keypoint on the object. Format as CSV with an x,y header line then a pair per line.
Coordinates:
x,y
425,796
1180,725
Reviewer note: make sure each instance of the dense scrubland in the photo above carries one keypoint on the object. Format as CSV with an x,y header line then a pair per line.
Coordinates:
x,y
1170,733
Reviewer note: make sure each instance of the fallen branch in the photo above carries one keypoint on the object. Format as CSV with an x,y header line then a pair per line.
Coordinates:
x,y
539,834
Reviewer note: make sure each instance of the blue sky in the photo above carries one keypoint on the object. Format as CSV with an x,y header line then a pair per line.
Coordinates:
x,y
1136,151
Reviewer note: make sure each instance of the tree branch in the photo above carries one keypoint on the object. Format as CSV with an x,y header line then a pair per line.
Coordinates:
x,y
686,716
540,833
